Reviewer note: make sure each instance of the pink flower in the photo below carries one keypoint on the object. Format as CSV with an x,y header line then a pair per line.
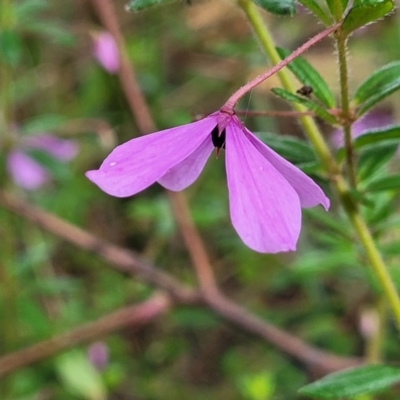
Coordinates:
x,y
25,170
97,353
266,192
106,51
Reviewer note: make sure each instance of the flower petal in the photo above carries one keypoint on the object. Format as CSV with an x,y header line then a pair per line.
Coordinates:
x,y
188,170
265,209
135,165
309,192
25,171
106,52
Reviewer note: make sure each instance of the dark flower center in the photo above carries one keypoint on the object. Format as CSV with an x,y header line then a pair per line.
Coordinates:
x,y
218,140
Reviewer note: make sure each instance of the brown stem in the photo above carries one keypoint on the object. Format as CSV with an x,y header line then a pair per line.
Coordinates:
x,y
145,122
128,262
193,243
134,315
129,84
121,259
290,114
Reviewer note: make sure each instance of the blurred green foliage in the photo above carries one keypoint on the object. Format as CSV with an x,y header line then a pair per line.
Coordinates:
x,y
189,59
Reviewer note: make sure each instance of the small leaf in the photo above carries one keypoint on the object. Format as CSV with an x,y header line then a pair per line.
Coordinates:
x,y
368,11
278,7
373,159
352,382
80,377
337,7
391,182
372,137
138,5
380,84
294,149
10,47
309,76
314,7
318,110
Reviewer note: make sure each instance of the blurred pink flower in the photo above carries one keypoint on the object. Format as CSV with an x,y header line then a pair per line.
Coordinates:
x,y
25,170
97,354
266,192
106,51
372,120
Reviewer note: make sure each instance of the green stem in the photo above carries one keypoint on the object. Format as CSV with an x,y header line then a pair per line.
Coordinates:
x,y
308,123
345,104
339,183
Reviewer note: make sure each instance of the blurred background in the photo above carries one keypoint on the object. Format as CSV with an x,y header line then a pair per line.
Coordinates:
x,y
62,111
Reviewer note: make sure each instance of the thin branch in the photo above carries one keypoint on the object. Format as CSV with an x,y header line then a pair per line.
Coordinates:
x,y
128,262
145,122
290,114
121,259
129,84
131,316
194,244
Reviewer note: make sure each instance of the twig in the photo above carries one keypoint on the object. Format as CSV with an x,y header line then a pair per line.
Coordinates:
x,y
145,122
134,315
129,84
121,259
194,244
128,262
290,114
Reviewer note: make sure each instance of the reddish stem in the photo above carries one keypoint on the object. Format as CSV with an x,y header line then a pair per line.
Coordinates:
x,y
229,106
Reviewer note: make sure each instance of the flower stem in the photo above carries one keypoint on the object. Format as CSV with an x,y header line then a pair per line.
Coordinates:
x,y
268,45
345,104
311,129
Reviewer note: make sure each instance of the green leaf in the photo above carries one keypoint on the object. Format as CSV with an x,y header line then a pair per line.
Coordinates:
x,y
352,382
309,76
373,159
278,7
80,377
391,182
337,7
10,47
373,138
138,5
314,7
365,13
310,105
291,148
380,84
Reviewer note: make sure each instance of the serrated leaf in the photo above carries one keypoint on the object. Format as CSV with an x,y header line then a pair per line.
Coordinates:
x,y
278,7
365,13
337,7
314,7
391,182
352,382
380,84
139,5
310,105
309,76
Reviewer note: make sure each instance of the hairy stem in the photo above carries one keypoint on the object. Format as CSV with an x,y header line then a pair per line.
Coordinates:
x,y
345,104
339,183
267,43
